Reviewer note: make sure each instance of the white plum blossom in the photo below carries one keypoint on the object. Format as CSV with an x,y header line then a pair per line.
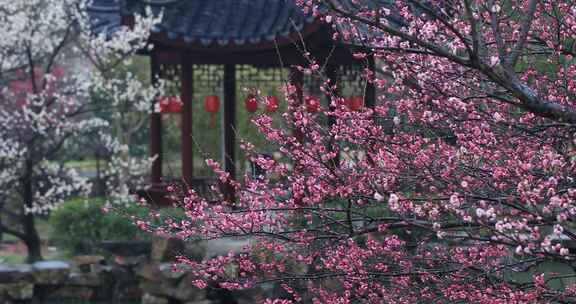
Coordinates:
x,y
455,200
51,63
480,213
393,202
60,184
495,8
558,229
124,173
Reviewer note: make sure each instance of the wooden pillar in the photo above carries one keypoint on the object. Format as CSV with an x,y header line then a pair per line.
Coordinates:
x,y
155,129
297,80
370,96
332,74
370,101
186,132
229,126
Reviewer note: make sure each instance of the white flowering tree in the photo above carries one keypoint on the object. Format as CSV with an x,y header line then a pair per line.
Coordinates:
x,y
50,63
128,97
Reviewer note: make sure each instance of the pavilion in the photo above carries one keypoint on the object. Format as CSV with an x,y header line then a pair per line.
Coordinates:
x,y
266,34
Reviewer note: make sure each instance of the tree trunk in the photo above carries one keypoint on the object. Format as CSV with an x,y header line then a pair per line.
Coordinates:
x,y
124,138
31,239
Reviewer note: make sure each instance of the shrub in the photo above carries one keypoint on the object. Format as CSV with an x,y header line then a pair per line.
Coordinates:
x,y
80,225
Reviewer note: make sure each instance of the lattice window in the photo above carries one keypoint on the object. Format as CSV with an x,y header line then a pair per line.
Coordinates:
x,y
352,80
264,79
170,71
207,80
268,81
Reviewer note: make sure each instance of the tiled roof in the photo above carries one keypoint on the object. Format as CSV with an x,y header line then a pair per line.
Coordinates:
x,y
208,22
104,16
226,22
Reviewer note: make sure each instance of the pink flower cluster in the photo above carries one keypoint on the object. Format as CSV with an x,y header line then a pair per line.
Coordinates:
x,y
459,182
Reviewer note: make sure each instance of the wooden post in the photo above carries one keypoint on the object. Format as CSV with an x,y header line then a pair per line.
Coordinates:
x,y
228,128
370,95
155,129
332,74
297,80
186,133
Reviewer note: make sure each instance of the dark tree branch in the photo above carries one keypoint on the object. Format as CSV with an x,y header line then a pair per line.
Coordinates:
x,y
525,28
529,100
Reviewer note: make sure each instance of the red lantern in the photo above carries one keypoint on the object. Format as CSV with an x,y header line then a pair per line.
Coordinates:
x,y
251,103
312,104
212,105
170,104
272,104
356,103
175,106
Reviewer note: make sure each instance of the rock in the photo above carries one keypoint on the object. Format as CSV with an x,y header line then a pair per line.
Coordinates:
x,y
72,292
107,284
89,263
161,280
17,291
80,260
151,299
132,248
109,268
84,279
50,272
15,274
129,293
164,271
158,288
231,270
168,270
129,261
166,249
248,296
188,292
149,271
122,283
200,302
267,290
184,291
4,299
196,250
225,245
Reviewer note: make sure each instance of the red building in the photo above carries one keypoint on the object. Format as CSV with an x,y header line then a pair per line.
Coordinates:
x,y
266,34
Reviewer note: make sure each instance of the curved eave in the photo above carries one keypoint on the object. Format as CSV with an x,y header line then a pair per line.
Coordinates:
x,y
163,40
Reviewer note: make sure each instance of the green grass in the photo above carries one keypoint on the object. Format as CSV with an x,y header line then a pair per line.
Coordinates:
x,y
82,164
42,226
45,231
12,259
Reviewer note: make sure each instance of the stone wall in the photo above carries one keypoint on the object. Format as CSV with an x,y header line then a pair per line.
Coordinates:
x,y
147,279
84,278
